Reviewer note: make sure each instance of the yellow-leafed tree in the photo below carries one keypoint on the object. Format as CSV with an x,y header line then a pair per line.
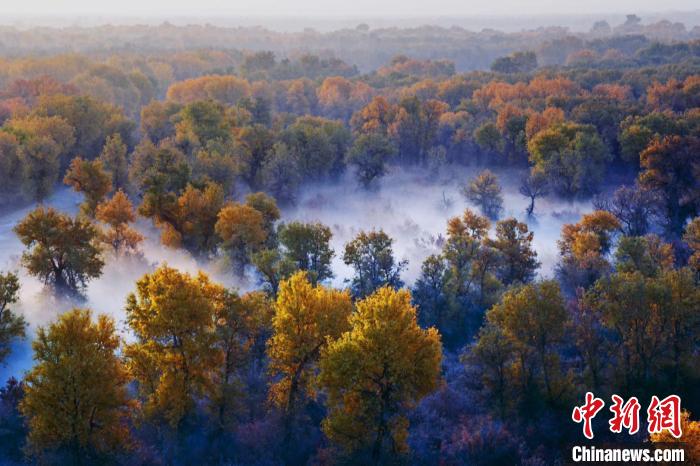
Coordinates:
x,y
690,438
175,358
376,372
306,318
75,397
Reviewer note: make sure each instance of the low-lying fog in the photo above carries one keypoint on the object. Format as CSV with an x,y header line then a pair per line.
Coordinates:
x,y
411,206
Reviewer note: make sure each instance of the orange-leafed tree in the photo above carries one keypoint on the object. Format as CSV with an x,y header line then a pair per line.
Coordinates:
x,y
118,213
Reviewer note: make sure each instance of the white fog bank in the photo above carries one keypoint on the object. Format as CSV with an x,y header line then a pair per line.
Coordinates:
x,y
412,206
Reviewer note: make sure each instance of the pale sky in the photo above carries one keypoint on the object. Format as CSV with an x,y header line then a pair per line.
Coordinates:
x,y
355,8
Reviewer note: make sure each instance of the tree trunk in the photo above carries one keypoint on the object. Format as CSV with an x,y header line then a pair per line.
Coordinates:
x,y
531,207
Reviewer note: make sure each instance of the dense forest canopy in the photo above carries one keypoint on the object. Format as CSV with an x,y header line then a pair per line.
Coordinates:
x,y
202,139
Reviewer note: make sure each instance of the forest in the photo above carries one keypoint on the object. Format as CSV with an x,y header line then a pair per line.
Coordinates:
x,y
236,246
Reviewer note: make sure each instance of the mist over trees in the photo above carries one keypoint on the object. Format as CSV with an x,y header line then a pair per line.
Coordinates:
x,y
169,135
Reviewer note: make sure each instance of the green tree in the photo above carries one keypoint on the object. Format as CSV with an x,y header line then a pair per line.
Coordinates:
x,y
494,352
61,251
307,246
470,283
256,145
318,145
157,120
369,155
485,192
518,62
114,161
157,171
572,157
415,127
200,123
41,167
637,132
489,138
533,320
653,320
91,119
273,268
189,220
215,165
280,174
646,254
47,138
430,296
241,324
518,258
10,165
372,256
